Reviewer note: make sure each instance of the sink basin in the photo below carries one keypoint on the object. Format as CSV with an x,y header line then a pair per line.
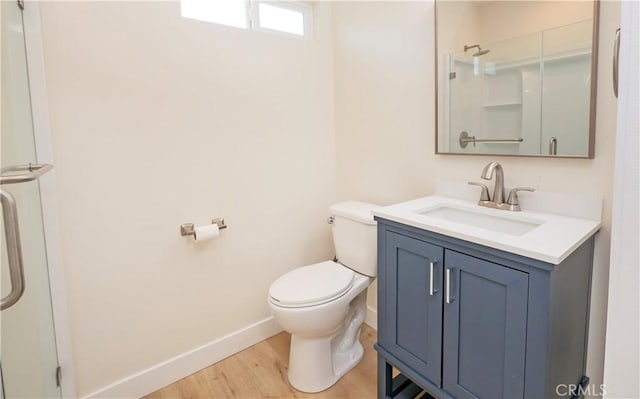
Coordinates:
x,y
547,237
506,225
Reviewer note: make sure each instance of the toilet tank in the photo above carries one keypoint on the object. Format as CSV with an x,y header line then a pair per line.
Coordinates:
x,y
354,236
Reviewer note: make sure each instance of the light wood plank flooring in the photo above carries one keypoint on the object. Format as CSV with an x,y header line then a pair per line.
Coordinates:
x,y
261,372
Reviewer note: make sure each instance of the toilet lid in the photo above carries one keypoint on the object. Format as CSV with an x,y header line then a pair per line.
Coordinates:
x,y
312,285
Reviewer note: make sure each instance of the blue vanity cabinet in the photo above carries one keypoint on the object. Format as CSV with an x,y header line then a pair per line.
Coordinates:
x,y
485,328
416,266
461,320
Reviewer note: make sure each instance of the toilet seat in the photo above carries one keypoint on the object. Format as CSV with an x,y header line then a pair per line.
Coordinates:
x,y
311,285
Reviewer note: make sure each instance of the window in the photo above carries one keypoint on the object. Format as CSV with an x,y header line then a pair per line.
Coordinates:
x,y
292,18
283,17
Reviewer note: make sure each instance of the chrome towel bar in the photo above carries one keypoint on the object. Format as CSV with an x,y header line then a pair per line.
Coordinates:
x,y
465,139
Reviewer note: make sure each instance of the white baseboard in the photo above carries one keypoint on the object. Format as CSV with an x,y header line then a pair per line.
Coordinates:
x,y
372,318
170,371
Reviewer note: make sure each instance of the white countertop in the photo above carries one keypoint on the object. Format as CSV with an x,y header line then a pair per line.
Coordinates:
x,y
553,239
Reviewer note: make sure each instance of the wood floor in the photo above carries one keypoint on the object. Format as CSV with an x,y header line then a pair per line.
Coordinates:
x,y
261,372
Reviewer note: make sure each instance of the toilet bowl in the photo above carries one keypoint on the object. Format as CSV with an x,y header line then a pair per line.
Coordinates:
x,y
323,305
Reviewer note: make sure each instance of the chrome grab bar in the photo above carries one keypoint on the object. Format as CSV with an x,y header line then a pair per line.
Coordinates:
x,y
616,59
33,171
553,146
14,250
465,139
12,175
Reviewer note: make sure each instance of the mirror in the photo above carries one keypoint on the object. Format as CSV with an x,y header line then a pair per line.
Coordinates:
x,y
516,77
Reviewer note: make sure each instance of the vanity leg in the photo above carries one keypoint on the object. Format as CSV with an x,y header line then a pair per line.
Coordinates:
x,y
385,379
399,387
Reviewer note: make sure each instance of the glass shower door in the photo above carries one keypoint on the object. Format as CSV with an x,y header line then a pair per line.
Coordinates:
x,y
28,358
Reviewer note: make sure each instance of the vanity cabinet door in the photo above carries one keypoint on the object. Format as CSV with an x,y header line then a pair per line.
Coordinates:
x,y
485,328
413,304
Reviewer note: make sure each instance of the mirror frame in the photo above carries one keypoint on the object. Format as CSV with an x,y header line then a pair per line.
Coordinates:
x,y
593,92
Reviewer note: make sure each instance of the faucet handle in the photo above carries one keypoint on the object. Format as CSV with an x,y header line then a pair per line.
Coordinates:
x,y
484,195
513,195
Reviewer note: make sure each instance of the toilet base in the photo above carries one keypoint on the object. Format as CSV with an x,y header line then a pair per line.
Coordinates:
x,y
311,363
315,364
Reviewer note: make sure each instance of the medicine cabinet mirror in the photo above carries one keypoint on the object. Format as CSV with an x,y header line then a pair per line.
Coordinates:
x,y
516,77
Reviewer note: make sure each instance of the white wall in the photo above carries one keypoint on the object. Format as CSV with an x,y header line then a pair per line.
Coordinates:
x,y
384,72
622,363
157,121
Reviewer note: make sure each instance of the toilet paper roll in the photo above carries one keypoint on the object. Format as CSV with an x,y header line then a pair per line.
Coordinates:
x,y
203,233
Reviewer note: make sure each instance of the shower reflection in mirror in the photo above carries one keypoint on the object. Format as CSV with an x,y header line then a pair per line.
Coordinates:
x,y
515,79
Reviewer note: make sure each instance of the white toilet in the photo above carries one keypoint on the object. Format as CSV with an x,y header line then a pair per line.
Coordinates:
x,y
323,305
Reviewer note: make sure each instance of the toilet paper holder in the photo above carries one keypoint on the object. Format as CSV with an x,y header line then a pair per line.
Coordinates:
x,y
186,229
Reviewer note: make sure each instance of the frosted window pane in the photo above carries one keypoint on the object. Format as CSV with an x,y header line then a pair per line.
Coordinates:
x,y
225,12
281,19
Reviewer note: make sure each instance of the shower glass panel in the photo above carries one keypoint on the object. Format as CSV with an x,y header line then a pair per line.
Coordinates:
x,y
494,96
28,357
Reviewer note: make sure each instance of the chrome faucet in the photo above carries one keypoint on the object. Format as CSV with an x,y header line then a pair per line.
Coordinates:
x,y
497,201
498,187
